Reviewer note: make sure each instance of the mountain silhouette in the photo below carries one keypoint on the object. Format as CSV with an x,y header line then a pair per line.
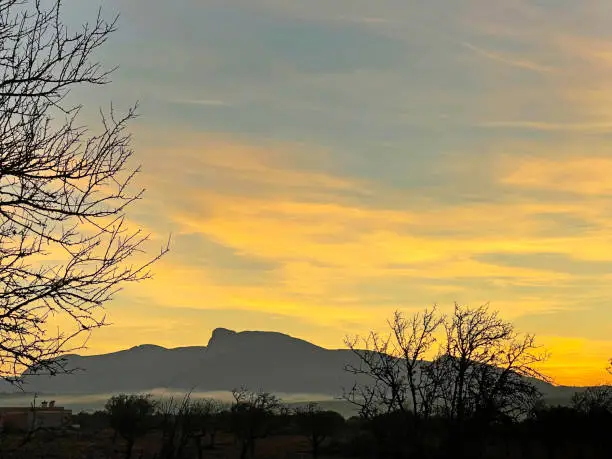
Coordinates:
x,y
269,361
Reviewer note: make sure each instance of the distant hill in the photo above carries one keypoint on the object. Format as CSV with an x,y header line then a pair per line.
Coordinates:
x,y
258,360
270,361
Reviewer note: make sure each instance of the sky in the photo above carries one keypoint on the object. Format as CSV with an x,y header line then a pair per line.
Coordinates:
x,y
321,164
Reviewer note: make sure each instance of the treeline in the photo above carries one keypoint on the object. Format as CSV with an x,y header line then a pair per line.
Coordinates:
x,y
479,397
191,428
435,386
188,428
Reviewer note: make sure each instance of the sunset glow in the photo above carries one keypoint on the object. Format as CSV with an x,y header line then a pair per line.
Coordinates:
x,y
321,164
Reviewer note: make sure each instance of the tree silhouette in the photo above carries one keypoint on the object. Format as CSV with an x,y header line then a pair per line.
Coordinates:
x,y
400,380
593,399
130,417
490,362
175,432
201,421
394,364
185,421
489,369
483,373
594,404
555,427
252,416
317,425
65,246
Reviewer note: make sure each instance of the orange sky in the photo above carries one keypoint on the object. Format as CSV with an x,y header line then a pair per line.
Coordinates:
x,y
323,164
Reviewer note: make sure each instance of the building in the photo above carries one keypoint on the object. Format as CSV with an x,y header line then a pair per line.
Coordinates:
x,y
45,416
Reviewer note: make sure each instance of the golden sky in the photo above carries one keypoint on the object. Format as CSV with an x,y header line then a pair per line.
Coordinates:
x,y
321,164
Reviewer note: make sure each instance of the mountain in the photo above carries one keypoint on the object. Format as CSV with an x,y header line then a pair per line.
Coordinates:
x,y
266,360
258,360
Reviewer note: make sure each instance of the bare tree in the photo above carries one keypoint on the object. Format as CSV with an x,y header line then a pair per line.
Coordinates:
x,y
65,246
594,406
593,399
399,377
175,433
317,425
252,416
130,417
414,338
397,383
484,370
383,386
488,374
187,420
490,362
202,421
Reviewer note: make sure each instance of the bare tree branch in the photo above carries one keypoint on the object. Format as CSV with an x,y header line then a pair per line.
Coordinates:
x,y
65,245
483,366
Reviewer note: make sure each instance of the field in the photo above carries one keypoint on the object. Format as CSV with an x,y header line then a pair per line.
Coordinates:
x,y
103,445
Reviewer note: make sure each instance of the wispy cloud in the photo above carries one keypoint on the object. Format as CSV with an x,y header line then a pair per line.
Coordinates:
x,y
207,102
327,167
583,175
512,61
603,127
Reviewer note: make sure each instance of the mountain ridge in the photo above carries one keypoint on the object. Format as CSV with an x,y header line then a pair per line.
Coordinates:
x,y
270,361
